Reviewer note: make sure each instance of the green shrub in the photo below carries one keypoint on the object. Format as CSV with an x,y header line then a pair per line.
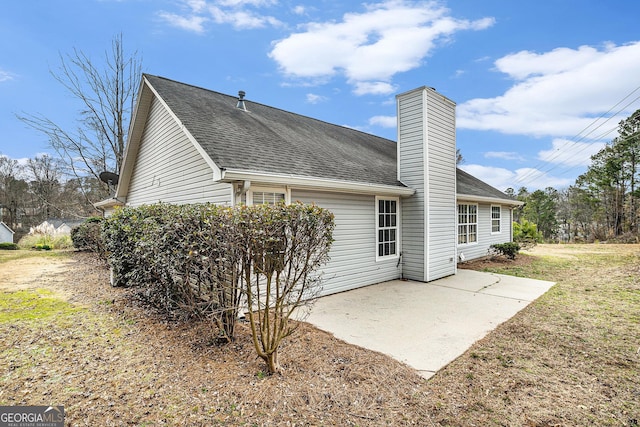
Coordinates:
x,y
526,234
88,236
8,246
39,241
508,250
199,260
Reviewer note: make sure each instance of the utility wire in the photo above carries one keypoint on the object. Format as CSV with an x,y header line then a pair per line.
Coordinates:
x,y
539,169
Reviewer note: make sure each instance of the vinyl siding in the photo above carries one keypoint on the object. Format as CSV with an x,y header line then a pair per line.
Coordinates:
x,y
441,187
168,167
426,162
485,237
353,253
411,157
6,236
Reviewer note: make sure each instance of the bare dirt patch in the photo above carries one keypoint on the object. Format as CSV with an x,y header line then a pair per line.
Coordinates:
x,y
568,359
31,272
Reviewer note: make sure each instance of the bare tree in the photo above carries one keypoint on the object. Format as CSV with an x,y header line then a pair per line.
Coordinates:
x,y
12,191
107,97
45,175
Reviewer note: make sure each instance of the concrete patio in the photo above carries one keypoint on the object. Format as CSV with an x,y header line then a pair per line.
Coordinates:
x,y
425,325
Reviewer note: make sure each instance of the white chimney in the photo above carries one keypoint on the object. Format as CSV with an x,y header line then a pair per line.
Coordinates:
x,y
427,163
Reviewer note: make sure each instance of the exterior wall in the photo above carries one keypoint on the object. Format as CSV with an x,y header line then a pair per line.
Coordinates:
x,y
411,161
169,168
6,235
353,254
441,186
426,162
485,237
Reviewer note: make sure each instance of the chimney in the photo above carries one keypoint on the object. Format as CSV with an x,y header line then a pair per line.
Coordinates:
x,y
241,105
427,162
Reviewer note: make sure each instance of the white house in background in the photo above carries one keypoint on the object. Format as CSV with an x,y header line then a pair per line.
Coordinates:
x,y
6,233
401,209
56,226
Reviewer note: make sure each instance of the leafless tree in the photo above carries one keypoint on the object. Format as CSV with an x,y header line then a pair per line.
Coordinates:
x,y
107,97
45,174
12,191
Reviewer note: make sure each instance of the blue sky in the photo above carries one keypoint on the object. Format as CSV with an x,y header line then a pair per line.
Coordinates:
x,y
539,85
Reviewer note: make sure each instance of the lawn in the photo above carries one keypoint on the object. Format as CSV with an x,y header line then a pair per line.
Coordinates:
x,y
570,358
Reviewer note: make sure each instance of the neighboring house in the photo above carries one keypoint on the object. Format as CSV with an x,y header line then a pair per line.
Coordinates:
x,y
401,209
58,225
6,233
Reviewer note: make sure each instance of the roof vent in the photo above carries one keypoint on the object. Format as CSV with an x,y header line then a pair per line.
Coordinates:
x,y
241,104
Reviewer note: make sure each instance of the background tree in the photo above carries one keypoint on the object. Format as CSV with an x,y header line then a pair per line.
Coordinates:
x,y
540,208
45,173
107,99
610,183
13,190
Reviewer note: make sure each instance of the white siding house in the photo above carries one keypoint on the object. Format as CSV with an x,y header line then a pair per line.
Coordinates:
x,y
396,205
6,233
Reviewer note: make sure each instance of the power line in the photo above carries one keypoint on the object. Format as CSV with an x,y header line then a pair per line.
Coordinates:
x,y
539,168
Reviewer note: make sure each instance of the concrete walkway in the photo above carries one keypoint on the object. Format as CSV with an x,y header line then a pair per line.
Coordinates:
x,y
425,325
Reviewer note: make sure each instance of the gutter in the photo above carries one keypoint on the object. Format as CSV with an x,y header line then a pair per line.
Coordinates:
x,y
496,200
231,176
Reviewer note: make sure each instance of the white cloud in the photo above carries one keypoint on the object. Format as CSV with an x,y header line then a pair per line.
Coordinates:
x,y
312,98
502,178
5,75
300,10
504,155
241,19
384,121
374,88
557,93
370,47
570,153
241,14
191,23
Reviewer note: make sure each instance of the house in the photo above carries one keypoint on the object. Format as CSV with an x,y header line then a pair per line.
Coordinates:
x,y
401,209
6,233
56,226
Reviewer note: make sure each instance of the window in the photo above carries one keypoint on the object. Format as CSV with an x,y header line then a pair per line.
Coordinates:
x,y
259,196
467,224
387,227
496,212
267,198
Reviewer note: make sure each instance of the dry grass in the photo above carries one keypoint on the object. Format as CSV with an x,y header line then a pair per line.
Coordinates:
x,y
568,359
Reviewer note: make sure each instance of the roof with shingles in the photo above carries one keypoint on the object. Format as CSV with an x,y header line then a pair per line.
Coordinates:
x,y
472,186
270,140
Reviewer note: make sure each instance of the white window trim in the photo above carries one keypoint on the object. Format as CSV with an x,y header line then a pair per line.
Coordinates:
x,y
249,194
397,228
499,219
476,224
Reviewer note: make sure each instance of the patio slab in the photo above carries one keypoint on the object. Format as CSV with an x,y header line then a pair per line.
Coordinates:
x,y
425,325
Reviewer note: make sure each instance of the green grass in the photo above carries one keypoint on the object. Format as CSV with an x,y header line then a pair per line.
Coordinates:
x,y
570,358
29,253
33,305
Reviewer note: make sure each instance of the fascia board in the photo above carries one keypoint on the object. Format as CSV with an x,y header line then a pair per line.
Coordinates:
x,y
229,175
495,200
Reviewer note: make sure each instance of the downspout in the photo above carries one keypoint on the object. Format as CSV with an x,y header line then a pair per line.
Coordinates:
x,y
242,189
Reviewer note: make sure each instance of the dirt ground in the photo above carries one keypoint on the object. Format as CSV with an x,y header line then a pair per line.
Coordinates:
x,y
111,362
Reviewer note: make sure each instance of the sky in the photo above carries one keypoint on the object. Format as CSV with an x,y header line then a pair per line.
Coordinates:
x,y
540,86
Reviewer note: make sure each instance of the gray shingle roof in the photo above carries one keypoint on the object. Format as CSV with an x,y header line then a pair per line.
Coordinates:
x,y
472,186
269,140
